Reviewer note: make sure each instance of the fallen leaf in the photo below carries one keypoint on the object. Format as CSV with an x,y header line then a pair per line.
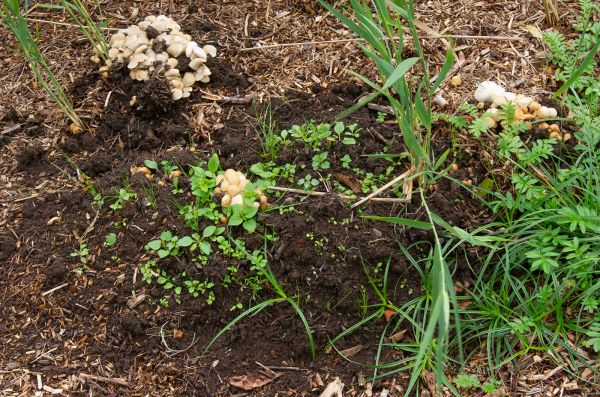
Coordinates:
x,y
254,380
398,336
429,379
349,181
388,313
351,351
177,334
334,389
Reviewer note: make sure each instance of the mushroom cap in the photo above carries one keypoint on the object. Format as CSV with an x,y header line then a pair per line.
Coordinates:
x,y
139,74
487,91
188,79
494,114
176,84
234,189
172,62
210,50
113,53
175,49
196,63
135,60
225,185
172,73
226,201
205,79
189,48
176,94
230,175
491,123
237,200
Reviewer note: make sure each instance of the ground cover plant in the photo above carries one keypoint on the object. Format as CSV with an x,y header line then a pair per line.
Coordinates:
x,y
391,214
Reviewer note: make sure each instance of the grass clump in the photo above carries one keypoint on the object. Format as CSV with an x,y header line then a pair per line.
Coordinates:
x,y
15,19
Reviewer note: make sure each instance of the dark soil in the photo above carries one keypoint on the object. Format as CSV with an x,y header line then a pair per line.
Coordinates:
x,y
322,251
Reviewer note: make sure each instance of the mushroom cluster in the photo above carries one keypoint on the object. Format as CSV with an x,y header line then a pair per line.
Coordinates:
x,y
231,184
158,45
494,95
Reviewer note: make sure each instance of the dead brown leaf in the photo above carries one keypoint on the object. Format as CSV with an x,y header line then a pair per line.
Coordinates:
x,y
349,181
351,351
429,378
398,336
254,380
388,313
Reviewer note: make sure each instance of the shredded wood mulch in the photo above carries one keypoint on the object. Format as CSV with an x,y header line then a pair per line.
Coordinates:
x,y
48,349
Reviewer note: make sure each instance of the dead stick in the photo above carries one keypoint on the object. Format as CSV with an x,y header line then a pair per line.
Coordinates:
x,y
114,381
382,189
342,196
440,37
54,289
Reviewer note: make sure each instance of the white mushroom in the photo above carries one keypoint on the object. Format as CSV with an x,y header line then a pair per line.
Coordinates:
x,y
175,49
135,60
139,74
189,48
211,50
172,73
172,62
196,63
487,91
237,200
177,94
188,79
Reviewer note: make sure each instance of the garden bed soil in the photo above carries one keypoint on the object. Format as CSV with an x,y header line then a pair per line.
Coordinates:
x,y
62,320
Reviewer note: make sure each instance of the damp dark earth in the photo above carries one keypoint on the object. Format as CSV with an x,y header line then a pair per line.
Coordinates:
x,y
350,199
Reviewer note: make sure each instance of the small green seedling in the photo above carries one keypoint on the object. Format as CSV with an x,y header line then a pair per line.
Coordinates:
x,y
348,135
168,244
123,196
82,253
320,162
308,182
110,240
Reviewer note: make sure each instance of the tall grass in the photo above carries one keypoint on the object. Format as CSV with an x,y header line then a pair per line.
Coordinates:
x,y
16,20
381,24
81,17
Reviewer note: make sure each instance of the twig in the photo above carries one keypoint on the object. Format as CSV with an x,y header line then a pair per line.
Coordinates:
x,y
342,196
54,289
114,381
381,108
173,352
63,23
42,355
383,188
440,37
10,129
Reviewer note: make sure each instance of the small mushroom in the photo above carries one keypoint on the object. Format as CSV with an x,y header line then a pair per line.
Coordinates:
x,y
176,94
237,200
196,63
175,49
226,201
188,79
210,50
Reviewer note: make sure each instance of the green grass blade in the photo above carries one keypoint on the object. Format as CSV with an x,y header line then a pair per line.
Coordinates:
x,y
580,70
251,311
306,326
401,221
